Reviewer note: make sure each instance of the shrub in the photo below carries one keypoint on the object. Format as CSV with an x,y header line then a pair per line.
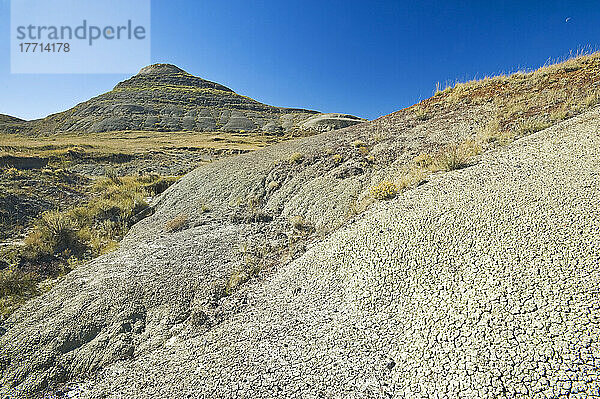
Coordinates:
x,y
337,158
296,157
531,126
359,143
299,224
454,157
384,191
53,234
421,113
178,223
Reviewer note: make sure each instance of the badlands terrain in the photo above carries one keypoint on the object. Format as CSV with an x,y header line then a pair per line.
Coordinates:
x,y
450,249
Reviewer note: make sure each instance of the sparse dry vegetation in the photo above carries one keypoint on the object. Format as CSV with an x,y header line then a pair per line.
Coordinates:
x,y
16,287
384,191
421,113
299,224
359,144
178,223
60,239
525,102
296,157
254,259
452,158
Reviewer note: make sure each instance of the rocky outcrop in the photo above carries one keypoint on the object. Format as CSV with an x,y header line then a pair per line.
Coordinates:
x,y
163,97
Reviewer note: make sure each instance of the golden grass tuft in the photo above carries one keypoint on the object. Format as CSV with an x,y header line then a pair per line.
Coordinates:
x,y
421,113
296,158
178,223
385,190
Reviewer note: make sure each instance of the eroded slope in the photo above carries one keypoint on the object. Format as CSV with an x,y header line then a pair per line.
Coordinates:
x,y
181,274
480,283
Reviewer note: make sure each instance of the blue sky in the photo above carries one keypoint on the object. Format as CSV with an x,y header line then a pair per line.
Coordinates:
x,y
365,58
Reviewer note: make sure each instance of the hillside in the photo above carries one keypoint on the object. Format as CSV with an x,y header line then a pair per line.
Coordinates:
x,y
413,297
9,119
163,97
450,248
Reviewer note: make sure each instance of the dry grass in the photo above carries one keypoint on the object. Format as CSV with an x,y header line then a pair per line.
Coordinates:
x,y
359,144
299,224
422,113
423,160
452,158
359,205
296,157
59,240
98,144
254,260
16,287
524,103
178,223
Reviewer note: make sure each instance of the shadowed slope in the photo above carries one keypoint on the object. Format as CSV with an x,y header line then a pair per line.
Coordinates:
x,y
9,119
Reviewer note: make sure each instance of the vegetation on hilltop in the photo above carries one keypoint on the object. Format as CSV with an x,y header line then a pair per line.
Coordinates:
x,y
521,104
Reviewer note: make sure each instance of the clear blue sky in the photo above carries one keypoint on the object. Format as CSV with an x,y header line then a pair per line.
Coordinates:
x,y
366,58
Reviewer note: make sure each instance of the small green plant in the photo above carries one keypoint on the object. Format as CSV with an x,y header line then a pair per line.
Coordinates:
x,y
384,191
337,158
359,144
296,157
204,208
